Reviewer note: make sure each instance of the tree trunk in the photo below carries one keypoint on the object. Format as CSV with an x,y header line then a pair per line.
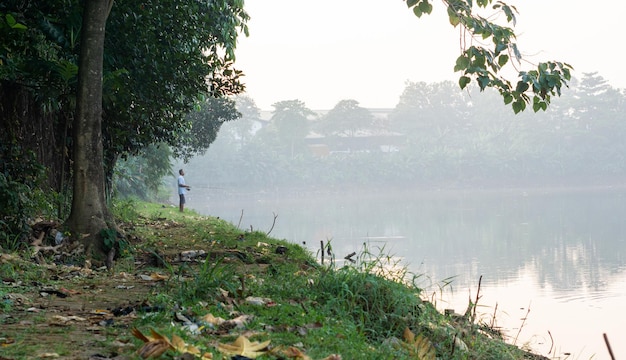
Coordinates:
x,y
90,214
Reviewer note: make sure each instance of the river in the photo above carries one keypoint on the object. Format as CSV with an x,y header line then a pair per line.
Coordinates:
x,y
551,262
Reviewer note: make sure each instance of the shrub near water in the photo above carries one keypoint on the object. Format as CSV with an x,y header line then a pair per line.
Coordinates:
x,y
381,306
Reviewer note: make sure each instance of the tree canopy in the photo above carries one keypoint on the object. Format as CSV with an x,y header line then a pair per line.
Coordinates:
x,y
345,119
181,52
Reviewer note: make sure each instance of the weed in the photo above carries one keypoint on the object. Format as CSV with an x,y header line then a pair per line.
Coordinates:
x,y
11,242
125,209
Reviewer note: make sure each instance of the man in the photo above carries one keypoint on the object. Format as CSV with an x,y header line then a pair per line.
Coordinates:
x,y
182,189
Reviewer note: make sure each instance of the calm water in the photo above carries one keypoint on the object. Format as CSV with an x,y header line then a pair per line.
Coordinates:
x,y
556,258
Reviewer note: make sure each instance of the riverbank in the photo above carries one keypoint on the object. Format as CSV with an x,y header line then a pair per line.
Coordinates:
x,y
201,283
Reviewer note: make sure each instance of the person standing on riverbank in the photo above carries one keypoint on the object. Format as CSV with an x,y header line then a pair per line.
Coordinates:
x,y
182,190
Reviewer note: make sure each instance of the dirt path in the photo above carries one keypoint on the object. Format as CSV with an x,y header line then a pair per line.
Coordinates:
x,y
73,312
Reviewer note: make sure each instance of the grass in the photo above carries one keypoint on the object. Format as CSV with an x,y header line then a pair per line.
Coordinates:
x,y
359,311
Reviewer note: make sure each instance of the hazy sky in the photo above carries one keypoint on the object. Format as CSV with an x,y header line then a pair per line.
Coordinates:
x,y
324,51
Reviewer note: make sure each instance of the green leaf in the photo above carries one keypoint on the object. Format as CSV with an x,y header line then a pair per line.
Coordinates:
x,y
66,70
426,7
500,45
464,81
417,11
483,82
453,17
10,20
510,16
411,3
503,59
539,104
518,106
13,24
462,62
521,86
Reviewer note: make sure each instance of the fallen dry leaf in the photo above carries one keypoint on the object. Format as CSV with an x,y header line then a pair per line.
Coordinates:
x,y
243,346
139,335
155,344
48,355
211,319
332,357
408,335
419,346
295,353
60,320
182,347
154,349
239,322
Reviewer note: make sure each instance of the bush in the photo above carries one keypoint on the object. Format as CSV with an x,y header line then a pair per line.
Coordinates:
x,y
20,177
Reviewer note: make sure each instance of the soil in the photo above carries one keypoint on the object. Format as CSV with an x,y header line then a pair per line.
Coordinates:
x,y
74,312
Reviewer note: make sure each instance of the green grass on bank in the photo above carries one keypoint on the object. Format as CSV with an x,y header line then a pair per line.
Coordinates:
x,y
270,289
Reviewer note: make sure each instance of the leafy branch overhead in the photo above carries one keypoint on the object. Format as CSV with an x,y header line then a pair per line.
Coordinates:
x,y
484,63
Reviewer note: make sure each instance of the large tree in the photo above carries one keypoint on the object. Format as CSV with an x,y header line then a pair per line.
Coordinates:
x,y
149,93
90,213
289,125
347,118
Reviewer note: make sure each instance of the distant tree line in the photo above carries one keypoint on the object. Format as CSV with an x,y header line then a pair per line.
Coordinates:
x,y
449,139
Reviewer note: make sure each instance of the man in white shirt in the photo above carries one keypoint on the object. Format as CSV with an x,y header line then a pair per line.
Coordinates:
x,y
182,189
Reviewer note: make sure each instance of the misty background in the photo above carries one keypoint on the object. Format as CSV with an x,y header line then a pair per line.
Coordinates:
x,y
453,185
437,137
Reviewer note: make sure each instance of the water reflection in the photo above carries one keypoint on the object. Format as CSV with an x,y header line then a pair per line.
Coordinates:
x,y
563,251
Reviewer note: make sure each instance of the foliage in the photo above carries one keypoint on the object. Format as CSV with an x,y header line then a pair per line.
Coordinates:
x,y
112,240
485,63
142,175
20,176
426,111
288,127
205,122
181,52
39,49
242,130
125,209
382,306
345,119
209,277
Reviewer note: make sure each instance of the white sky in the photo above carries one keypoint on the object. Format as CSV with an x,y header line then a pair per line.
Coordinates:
x,y
325,51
